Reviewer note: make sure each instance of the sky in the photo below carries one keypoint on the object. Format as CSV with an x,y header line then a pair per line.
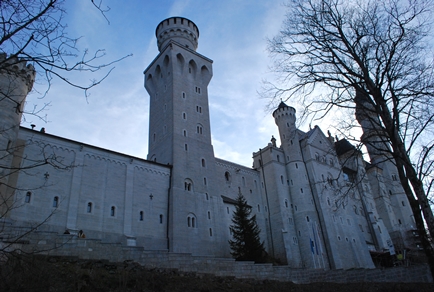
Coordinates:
x,y
233,33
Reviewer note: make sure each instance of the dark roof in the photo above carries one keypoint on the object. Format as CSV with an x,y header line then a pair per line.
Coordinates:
x,y
343,146
281,105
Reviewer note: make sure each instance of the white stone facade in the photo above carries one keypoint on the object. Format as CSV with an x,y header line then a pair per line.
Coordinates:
x,y
181,199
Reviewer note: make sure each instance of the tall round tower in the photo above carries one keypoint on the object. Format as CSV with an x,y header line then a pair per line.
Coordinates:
x,y
178,29
16,81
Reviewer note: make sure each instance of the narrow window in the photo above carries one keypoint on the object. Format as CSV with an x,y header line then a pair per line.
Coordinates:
x,y
183,95
210,232
154,137
278,158
203,162
399,221
89,207
141,216
281,179
290,221
207,197
259,208
227,209
184,116
193,222
112,211
185,133
244,181
209,215
286,203
307,218
301,190
161,218
296,165
227,176
28,197
204,180
403,204
185,147
56,202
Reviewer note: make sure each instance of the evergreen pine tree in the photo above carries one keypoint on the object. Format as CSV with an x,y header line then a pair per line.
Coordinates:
x,y
246,244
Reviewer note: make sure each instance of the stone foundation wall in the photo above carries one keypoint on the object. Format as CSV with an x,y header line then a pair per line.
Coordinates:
x,y
70,245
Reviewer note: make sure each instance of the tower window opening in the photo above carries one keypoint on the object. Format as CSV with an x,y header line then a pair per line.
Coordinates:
x,y
112,211
56,202
141,216
184,133
402,203
199,130
281,179
209,215
307,219
185,147
286,203
187,186
203,162
183,95
227,209
244,181
28,197
399,221
207,196
89,207
161,218
210,232
184,116
227,176
296,165
204,180
259,208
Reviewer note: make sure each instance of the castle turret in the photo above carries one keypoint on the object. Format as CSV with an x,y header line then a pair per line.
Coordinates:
x,y
180,135
178,29
16,81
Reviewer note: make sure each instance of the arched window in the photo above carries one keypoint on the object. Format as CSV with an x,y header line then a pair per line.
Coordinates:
x,y
112,211
209,215
89,207
203,162
141,216
227,176
199,129
206,196
317,156
191,221
355,210
28,197
286,203
184,132
281,179
188,185
56,202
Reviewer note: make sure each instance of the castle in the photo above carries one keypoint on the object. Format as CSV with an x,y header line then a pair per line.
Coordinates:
x,y
317,202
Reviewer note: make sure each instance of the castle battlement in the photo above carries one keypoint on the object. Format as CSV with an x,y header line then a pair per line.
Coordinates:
x,y
19,68
179,29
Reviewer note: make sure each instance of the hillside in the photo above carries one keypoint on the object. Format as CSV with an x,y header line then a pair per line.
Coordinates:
x,y
70,274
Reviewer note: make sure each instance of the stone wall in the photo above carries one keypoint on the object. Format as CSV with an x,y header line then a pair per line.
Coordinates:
x,y
69,245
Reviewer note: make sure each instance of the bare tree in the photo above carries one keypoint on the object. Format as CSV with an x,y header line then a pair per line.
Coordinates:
x,y
34,45
372,58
